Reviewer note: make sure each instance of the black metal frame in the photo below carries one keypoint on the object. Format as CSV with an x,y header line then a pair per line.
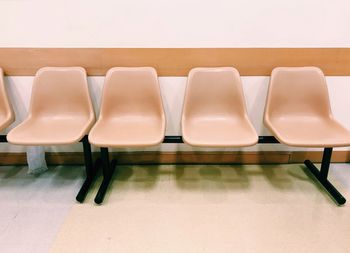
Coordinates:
x,y
321,176
109,168
3,138
90,170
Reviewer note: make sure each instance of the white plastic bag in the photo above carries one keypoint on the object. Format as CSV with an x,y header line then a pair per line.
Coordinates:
x,y
36,160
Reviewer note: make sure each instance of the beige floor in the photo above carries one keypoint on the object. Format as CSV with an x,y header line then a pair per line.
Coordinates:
x,y
208,209
32,208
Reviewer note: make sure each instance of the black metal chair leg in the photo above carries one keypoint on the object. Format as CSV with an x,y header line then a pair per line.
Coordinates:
x,y
108,170
321,176
90,169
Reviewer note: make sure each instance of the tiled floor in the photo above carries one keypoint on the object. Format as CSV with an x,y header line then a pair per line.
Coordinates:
x,y
175,209
33,208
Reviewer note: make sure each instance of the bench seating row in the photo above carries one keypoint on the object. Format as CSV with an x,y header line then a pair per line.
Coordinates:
x,y
297,113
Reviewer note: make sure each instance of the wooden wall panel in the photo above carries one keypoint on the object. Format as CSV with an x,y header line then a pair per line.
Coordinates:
x,y
139,157
175,61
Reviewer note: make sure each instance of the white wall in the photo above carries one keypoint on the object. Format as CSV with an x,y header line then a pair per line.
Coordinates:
x,y
177,23
174,23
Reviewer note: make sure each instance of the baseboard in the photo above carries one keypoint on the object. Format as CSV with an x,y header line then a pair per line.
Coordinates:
x,y
76,158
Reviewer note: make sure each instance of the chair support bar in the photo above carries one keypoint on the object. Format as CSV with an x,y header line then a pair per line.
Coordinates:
x,y
268,139
321,176
173,139
108,170
178,139
90,168
3,138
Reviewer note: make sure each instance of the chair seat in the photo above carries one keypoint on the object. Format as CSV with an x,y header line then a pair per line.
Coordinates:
x,y
219,133
50,131
127,132
310,132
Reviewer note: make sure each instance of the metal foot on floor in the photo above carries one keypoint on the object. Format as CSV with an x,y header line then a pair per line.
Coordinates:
x,y
108,170
90,168
88,181
321,176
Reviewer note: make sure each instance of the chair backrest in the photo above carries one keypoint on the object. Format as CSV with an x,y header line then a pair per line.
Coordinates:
x,y
131,91
61,91
214,91
297,91
6,111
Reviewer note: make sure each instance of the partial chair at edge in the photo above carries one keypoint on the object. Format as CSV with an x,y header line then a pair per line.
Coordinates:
x,y
131,115
298,113
60,113
6,113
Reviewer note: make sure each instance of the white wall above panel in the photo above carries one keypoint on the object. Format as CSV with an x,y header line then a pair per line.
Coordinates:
x,y
180,23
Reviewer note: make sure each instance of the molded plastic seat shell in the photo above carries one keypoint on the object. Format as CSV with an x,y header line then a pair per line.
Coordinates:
x,y
131,112
214,111
298,110
6,113
60,110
